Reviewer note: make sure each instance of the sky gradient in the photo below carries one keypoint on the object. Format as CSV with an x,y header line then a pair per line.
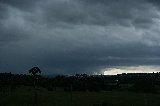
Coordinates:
x,y
78,36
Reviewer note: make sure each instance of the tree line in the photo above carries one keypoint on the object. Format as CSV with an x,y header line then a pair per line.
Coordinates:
x,y
140,82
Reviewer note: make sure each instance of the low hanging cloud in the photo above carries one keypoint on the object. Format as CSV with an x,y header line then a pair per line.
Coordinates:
x,y
76,36
131,69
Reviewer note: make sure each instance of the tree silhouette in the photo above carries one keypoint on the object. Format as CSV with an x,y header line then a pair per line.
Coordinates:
x,y
35,71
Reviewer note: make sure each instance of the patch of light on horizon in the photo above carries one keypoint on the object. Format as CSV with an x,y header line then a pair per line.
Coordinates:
x,y
131,69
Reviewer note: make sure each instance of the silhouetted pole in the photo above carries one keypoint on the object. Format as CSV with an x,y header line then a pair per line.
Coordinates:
x,y
35,93
145,102
71,94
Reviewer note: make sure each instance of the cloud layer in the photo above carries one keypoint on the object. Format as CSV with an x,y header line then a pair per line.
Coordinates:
x,y
76,36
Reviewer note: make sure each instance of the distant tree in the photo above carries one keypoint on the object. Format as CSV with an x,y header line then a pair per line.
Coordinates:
x,y
35,71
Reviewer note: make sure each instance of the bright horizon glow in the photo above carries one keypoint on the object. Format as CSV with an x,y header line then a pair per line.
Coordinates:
x,y
133,69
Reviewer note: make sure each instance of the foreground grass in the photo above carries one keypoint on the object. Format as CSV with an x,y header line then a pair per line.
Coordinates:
x,y
23,96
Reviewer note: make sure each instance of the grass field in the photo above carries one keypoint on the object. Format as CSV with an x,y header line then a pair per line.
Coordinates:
x,y
24,96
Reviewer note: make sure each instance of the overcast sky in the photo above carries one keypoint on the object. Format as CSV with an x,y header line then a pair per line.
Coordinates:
x,y
78,36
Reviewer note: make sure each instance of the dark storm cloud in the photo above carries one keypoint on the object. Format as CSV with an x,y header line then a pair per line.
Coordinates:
x,y
21,4
156,2
97,12
75,36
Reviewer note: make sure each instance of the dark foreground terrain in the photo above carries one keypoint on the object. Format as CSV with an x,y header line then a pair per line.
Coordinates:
x,y
80,90
23,96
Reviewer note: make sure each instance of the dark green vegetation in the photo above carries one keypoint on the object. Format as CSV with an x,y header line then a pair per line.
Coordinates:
x,y
80,90
23,96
